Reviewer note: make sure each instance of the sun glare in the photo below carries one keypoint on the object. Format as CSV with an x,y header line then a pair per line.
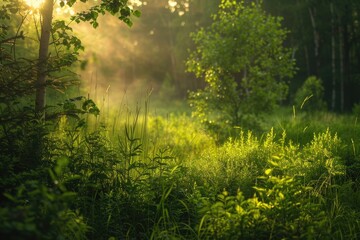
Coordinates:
x,y
35,4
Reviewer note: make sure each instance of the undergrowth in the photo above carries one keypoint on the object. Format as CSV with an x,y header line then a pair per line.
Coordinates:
x,y
141,176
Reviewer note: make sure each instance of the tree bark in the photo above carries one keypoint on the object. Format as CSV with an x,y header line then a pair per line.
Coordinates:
x,y
346,27
316,37
40,84
333,58
341,59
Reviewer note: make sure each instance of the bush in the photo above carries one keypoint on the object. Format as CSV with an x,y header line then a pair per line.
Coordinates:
x,y
356,109
281,209
310,95
302,194
38,211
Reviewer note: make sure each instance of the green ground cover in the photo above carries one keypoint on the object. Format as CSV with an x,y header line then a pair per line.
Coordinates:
x,y
146,173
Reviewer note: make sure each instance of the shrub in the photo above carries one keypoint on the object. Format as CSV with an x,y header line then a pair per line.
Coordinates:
x,y
356,109
310,95
281,209
38,211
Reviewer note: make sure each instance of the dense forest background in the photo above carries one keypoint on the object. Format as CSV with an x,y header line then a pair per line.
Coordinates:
x,y
324,37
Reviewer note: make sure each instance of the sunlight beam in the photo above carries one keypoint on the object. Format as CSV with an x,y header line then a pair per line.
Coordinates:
x,y
35,4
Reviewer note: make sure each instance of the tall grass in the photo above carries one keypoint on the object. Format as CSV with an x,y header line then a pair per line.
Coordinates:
x,y
132,173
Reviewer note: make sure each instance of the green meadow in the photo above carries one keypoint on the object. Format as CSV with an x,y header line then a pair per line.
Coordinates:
x,y
141,174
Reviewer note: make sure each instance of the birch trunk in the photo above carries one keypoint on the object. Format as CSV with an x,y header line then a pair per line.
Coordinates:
x,y
341,59
333,58
40,84
316,37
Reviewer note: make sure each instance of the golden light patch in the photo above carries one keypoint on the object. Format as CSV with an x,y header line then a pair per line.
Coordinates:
x,y
35,4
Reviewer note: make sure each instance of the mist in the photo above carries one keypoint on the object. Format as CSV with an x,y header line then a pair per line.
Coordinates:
x,y
122,63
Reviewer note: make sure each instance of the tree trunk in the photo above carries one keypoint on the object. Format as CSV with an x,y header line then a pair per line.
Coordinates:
x,y
333,58
316,37
341,59
40,84
346,26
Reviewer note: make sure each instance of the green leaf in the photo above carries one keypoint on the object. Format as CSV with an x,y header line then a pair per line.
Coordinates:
x,y
260,189
10,197
268,171
125,12
275,164
281,195
137,13
90,107
61,164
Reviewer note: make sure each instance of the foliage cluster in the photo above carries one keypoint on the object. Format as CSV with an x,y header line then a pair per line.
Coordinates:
x,y
299,193
356,109
310,96
243,61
